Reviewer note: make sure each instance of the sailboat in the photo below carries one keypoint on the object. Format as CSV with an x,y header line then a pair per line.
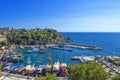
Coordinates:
x,y
48,66
29,67
56,66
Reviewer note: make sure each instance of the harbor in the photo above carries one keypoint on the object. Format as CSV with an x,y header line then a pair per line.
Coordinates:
x,y
12,62
35,58
14,66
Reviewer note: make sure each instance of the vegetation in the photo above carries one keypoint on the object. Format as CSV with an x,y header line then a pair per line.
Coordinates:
x,y
116,59
47,77
0,66
90,71
116,77
28,37
4,43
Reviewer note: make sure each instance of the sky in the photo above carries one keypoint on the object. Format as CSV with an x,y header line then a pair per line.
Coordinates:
x,y
62,15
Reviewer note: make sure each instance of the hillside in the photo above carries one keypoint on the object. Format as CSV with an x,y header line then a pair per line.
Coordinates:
x,y
34,36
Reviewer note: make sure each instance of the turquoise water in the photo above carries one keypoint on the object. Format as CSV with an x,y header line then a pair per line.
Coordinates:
x,y
110,42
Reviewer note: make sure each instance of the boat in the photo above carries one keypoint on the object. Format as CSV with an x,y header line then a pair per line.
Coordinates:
x,y
40,68
13,57
63,68
33,50
29,69
18,68
21,47
56,67
75,57
6,68
48,67
42,49
15,69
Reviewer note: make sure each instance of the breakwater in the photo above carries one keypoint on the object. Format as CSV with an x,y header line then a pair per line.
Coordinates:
x,y
88,47
77,46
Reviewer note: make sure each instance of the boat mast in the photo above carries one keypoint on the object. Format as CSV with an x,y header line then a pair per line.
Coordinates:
x,y
49,57
29,61
63,58
56,57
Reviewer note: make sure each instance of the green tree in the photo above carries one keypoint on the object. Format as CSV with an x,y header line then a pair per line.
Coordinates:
x,y
116,77
90,71
0,66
